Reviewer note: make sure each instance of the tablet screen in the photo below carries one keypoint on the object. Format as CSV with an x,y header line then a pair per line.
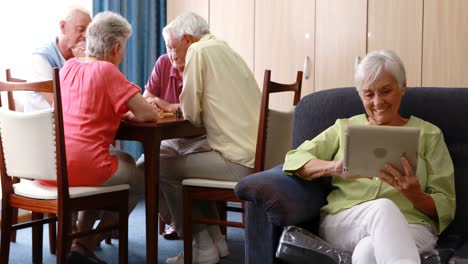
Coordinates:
x,y
368,148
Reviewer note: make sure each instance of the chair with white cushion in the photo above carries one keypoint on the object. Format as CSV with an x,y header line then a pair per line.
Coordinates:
x,y
273,141
15,104
32,148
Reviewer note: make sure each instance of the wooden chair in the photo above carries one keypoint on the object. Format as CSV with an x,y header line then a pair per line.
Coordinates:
x,y
32,147
52,226
273,141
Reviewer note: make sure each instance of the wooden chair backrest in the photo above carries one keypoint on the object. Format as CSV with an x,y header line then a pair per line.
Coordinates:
x,y
11,101
51,86
270,87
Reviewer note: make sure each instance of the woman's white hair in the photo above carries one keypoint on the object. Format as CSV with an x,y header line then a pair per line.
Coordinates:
x,y
188,23
104,32
377,62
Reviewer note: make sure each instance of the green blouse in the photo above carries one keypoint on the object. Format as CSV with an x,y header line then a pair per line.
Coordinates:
x,y
435,172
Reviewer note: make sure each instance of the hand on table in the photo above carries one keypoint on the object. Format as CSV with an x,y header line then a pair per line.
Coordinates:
x,y
162,105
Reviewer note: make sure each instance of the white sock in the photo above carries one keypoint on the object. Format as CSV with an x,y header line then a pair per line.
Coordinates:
x,y
203,240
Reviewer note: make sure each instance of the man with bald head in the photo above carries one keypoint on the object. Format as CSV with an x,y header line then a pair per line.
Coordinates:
x,y
69,43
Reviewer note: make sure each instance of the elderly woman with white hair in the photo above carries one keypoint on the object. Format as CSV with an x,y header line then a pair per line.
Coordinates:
x,y
396,215
96,96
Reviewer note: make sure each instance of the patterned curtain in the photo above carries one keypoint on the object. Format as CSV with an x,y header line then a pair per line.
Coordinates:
x,y
147,18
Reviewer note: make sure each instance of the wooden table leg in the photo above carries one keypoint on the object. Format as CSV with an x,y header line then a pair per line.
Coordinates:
x,y
152,143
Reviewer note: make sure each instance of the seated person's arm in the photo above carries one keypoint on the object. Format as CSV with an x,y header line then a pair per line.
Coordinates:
x,y
140,110
316,168
316,158
160,103
408,184
435,197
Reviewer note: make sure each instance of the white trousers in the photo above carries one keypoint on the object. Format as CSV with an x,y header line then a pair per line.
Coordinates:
x,y
173,148
377,232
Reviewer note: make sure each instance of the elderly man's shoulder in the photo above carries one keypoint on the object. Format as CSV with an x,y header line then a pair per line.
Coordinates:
x,y
208,44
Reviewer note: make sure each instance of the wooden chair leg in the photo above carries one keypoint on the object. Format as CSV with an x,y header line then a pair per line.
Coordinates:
x,y
123,235
37,232
52,236
223,212
14,220
65,226
187,227
5,230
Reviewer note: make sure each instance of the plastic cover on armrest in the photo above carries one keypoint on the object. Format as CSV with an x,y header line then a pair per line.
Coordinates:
x,y
298,245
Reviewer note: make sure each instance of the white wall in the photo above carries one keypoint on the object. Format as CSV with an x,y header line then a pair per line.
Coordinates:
x,y
26,24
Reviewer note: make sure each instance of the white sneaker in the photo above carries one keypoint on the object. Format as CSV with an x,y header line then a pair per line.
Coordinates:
x,y
207,256
222,248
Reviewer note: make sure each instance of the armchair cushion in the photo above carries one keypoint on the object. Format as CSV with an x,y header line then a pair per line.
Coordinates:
x,y
35,190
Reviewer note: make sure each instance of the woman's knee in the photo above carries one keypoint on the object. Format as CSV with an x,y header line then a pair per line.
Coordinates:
x,y
364,252
385,206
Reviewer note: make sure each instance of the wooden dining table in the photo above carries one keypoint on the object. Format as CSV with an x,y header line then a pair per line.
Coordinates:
x,y
151,134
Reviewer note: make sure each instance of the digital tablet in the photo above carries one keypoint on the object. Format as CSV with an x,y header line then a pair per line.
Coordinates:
x,y
368,148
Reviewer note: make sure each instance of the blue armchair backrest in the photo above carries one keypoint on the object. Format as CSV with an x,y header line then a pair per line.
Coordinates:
x,y
446,108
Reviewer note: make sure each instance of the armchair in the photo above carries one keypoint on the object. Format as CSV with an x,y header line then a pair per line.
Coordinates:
x,y
274,200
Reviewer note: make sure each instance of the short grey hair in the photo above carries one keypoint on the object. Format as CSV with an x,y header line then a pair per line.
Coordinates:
x,y
188,23
104,32
377,62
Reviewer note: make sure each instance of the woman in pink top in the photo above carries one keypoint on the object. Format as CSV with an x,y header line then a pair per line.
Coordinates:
x,y
96,96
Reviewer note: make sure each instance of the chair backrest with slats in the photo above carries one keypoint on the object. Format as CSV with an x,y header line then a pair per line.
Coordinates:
x,y
11,101
32,144
274,137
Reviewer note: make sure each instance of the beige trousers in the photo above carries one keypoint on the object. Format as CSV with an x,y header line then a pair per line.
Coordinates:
x,y
205,165
128,173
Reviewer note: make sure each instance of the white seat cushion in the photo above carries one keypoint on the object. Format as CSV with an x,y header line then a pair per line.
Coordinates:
x,y
209,183
35,190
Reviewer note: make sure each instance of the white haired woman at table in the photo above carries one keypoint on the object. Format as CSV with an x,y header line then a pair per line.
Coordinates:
x,y
96,97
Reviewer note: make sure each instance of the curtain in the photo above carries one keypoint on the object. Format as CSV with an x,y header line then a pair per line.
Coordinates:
x,y
144,46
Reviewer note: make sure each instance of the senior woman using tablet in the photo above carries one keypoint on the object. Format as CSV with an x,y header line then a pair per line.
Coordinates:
x,y
96,96
396,215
